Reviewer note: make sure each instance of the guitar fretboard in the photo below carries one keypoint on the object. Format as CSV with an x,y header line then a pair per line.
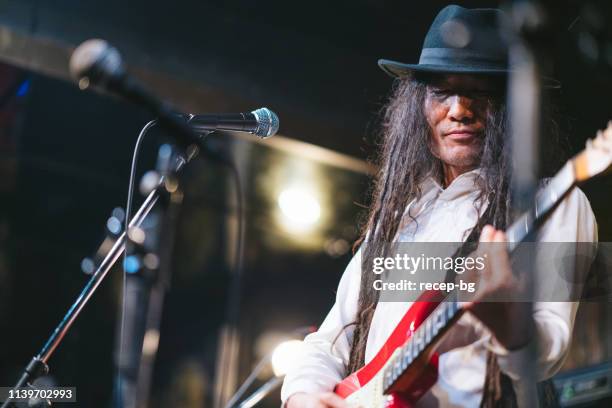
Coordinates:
x,y
545,201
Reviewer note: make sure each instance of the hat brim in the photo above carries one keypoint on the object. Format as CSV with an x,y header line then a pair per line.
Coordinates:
x,y
401,70
397,69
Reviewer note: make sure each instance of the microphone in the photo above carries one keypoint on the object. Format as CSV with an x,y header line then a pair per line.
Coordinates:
x,y
95,62
261,122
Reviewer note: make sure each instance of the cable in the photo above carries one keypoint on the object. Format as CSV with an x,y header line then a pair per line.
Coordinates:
x,y
233,312
235,290
128,207
234,306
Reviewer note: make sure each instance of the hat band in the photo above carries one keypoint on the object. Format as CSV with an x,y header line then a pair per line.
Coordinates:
x,y
454,56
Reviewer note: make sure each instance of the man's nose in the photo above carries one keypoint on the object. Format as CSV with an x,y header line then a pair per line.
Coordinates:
x,y
460,108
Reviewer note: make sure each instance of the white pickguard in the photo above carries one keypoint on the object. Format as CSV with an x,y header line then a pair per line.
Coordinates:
x,y
370,395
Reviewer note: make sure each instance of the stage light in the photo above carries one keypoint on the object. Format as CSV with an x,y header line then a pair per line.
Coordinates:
x,y
300,208
285,356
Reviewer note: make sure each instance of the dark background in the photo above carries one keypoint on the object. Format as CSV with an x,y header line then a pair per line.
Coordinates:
x,y
66,154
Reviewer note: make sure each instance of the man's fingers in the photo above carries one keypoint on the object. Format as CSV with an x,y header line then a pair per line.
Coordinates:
x,y
499,236
487,233
334,401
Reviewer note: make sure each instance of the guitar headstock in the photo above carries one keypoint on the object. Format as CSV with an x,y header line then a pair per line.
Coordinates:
x,y
596,157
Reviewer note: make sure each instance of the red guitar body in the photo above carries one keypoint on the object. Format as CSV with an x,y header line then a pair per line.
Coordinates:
x,y
414,383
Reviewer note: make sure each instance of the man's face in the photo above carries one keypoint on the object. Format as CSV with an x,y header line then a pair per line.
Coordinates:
x,y
456,108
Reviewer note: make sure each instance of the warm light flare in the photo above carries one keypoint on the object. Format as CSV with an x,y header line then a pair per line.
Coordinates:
x,y
300,207
286,356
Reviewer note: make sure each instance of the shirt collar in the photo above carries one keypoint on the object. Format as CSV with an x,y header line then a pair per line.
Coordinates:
x,y
466,183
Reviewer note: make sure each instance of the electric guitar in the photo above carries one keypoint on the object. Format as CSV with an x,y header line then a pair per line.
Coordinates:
x,y
406,367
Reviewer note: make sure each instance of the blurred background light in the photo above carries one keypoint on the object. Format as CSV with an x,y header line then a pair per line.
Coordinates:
x,y
285,356
300,208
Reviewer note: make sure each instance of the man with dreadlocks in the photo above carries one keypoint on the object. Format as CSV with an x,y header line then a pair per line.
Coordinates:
x,y
444,176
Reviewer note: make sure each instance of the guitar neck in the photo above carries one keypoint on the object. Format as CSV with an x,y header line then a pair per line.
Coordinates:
x,y
546,201
433,328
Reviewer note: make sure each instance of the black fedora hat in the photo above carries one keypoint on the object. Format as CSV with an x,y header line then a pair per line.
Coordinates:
x,y
459,40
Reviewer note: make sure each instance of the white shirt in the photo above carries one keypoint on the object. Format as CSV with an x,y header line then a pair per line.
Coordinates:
x,y
445,215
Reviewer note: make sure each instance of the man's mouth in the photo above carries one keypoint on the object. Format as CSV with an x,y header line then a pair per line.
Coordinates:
x,y
462,135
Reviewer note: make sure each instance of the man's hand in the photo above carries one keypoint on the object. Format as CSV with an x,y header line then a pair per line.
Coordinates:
x,y
510,321
316,400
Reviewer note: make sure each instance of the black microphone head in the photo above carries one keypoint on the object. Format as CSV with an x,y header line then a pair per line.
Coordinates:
x,y
267,122
96,62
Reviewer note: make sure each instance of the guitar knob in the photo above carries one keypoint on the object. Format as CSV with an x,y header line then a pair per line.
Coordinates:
x,y
396,400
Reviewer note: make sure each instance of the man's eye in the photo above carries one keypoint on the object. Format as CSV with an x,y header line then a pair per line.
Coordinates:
x,y
482,94
440,92
445,93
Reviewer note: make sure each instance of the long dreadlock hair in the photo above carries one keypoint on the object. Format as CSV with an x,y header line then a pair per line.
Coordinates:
x,y
405,160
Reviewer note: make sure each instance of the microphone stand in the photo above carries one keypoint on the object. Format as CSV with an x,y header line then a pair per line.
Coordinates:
x,y
262,392
38,366
147,278
530,32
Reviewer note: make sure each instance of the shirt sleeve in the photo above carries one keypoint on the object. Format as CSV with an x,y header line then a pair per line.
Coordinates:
x,y
572,221
325,352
